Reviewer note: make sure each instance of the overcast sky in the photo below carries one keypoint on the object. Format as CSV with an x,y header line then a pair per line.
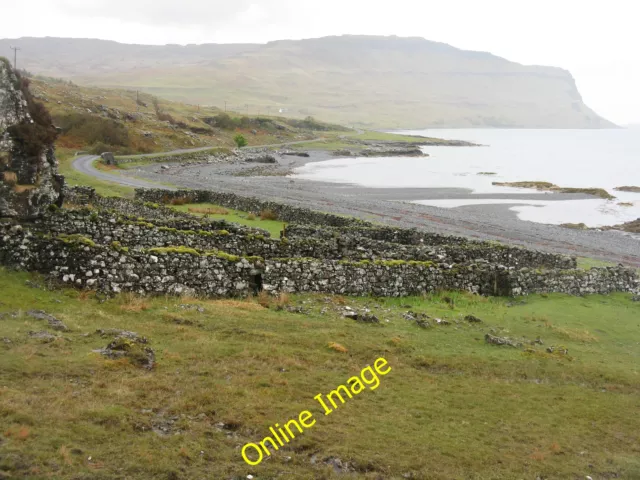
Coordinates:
x,y
597,41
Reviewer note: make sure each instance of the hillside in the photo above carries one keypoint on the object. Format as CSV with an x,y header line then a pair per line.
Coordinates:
x,y
385,82
128,122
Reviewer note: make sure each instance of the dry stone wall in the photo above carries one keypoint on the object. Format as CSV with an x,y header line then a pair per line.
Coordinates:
x,y
451,249
123,245
372,241
78,261
284,212
106,227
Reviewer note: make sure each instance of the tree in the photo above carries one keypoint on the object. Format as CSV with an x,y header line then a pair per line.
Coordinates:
x,y
240,140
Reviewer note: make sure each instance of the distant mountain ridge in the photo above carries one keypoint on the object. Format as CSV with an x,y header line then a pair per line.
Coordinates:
x,y
382,82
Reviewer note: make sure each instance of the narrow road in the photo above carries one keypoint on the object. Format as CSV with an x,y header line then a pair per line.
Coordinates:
x,y
84,164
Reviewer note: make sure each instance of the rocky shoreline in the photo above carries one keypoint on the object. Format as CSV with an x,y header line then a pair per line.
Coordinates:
x,y
387,205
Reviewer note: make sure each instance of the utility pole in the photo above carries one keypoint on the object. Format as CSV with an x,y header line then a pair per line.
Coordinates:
x,y
225,106
137,100
15,57
269,111
247,105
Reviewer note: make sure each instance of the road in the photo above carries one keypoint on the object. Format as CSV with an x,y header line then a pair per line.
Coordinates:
x,y
84,164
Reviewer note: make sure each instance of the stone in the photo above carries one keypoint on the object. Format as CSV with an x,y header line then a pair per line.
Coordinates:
x,y
558,350
501,341
108,158
29,180
133,348
53,321
350,314
472,319
44,336
264,158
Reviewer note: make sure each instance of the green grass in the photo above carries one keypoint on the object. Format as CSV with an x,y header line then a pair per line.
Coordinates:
x,y
236,216
452,406
589,263
391,137
162,158
328,145
334,142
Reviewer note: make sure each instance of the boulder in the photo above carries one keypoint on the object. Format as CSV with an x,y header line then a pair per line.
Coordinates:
x,y
108,158
29,180
262,158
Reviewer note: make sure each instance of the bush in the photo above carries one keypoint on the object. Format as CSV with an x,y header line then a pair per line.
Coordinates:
x,y
165,117
268,215
180,201
240,140
10,178
94,130
311,123
223,121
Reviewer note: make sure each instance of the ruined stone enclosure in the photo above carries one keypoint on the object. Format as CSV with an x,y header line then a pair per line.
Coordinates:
x,y
113,245
29,182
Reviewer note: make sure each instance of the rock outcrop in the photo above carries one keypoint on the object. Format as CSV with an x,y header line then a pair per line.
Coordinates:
x,y
29,181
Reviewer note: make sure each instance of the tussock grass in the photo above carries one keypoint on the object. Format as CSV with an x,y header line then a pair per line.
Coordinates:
x,y
268,215
10,178
452,406
209,210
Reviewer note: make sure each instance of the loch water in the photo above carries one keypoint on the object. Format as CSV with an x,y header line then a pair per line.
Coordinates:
x,y
569,158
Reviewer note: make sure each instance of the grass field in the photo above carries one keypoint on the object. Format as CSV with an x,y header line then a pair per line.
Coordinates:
x,y
451,407
341,140
236,216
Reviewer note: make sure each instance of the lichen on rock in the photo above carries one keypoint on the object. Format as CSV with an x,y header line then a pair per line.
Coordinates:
x,y
29,182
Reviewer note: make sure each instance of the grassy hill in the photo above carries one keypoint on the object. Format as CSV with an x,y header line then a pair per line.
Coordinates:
x,y
129,122
385,82
451,407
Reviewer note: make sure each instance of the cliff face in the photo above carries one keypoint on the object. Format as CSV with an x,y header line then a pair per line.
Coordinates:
x,y
29,182
386,82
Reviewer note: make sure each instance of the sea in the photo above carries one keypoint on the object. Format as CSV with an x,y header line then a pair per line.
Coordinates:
x,y
568,158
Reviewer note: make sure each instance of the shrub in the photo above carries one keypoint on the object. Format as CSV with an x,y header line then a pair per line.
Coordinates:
x,y
10,178
264,300
240,140
209,211
282,301
165,117
180,201
268,214
251,216
102,133
223,121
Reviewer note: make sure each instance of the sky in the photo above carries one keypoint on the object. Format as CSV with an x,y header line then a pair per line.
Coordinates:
x,y
596,41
